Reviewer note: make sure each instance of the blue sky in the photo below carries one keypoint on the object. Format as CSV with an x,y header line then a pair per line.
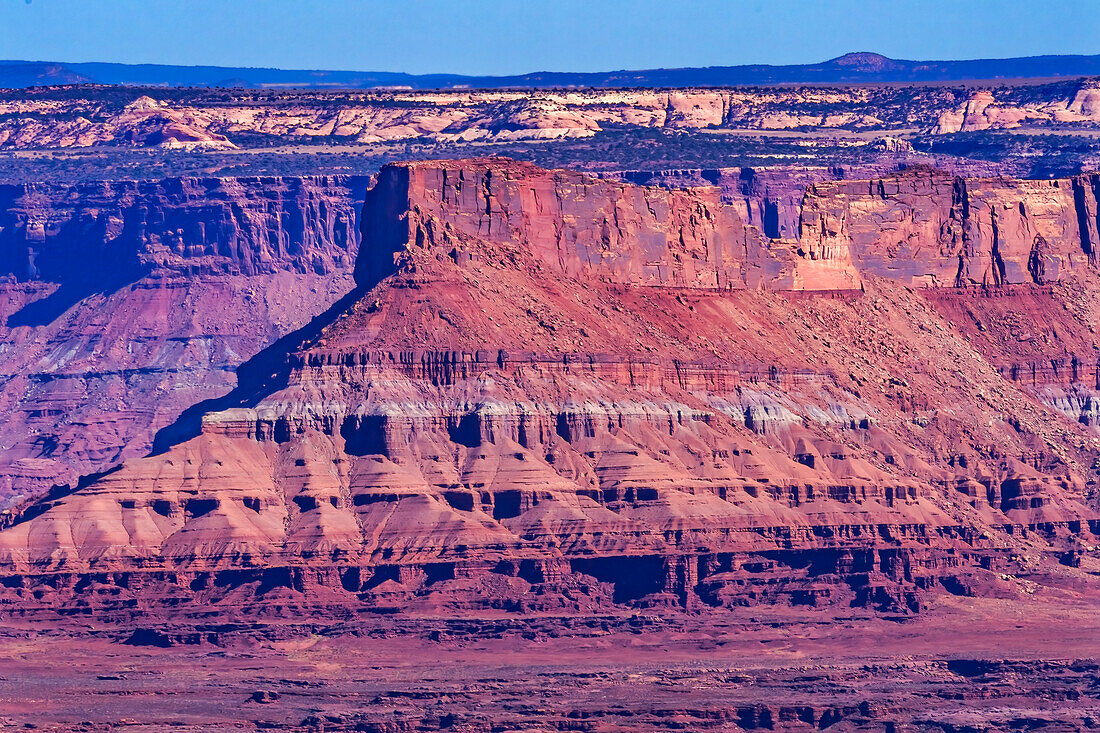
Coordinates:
x,y
483,37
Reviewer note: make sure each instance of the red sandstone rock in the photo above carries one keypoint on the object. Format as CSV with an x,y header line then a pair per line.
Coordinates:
x,y
564,393
926,228
122,304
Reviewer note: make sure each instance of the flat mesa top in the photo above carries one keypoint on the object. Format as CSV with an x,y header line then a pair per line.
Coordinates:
x,y
493,163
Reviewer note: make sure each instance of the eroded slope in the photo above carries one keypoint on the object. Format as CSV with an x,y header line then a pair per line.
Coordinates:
x,y
122,304
561,394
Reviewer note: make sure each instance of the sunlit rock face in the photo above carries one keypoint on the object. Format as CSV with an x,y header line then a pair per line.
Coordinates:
x,y
551,392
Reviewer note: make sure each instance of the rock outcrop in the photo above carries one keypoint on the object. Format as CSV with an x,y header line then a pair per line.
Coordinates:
x,y
122,304
560,393
144,122
586,228
213,120
374,117
928,228
982,111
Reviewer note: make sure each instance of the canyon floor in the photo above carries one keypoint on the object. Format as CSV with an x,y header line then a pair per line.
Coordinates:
x,y
964,665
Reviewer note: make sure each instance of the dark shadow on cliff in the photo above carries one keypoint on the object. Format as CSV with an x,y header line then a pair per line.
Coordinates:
x,y
73,290
383,232
38,505
265,373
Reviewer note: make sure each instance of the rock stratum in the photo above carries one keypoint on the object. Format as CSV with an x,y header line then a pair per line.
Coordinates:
x,y
124,303
884,117
552,393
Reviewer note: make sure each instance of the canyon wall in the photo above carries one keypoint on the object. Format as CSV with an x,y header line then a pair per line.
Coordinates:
x,y
770,197
586,227
122,304
984,111
380,116
928,228
556,393
920,226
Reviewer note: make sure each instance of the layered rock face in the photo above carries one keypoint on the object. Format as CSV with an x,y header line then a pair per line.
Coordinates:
x,y
586,228
920,226
983,111
214,120
372,117
928,228
770,197
557,393
122,304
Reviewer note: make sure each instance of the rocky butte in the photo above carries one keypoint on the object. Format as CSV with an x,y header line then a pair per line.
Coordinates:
x,y
554,393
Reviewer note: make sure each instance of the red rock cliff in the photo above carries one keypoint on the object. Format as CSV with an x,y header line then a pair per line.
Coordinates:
x,y
928,228
541,403
121,304
584,227
921,226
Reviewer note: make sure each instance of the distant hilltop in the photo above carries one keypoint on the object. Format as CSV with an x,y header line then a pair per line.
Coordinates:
x,y
862,67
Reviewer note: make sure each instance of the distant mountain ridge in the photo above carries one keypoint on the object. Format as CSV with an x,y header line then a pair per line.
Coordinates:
x,y
857,67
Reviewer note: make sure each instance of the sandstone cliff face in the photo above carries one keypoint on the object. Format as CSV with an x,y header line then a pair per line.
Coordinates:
x,y
214,120
982,111
772,230
145,122
541,401
122,304
231,225
443,116
920,226
585,228
770,198
927,228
